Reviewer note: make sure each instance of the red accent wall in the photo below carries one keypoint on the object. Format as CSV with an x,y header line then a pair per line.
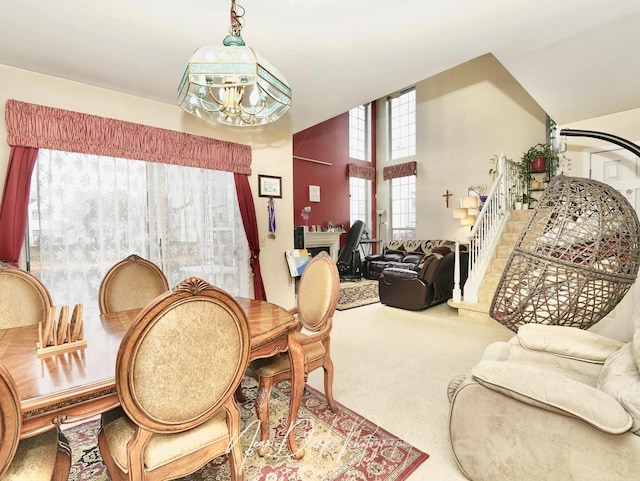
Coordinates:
x,y
326,142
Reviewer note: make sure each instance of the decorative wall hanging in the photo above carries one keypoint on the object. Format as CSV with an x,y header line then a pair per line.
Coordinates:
x,y
269,186
272,218
314,193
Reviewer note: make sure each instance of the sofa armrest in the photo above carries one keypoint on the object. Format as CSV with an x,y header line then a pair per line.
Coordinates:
x,y
569,342
374,257
398,272
554,392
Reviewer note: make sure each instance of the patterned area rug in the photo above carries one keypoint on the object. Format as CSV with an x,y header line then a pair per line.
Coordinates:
x,y
356,294
338,446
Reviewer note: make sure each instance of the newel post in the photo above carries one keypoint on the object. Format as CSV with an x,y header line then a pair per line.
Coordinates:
x,y
457,292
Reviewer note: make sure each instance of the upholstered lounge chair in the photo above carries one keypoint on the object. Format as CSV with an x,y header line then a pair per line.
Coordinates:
x,y
317,298
176,373
131,284
553,403
44,457
430,284
24,300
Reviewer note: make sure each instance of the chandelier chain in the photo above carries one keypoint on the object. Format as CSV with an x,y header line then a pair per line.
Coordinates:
x,y
237,22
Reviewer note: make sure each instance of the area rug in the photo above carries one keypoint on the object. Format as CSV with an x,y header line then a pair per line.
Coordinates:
x,y
338,446
358,293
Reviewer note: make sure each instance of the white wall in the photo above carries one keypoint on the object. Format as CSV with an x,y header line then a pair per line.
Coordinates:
x,y
271,149
464,116
622,124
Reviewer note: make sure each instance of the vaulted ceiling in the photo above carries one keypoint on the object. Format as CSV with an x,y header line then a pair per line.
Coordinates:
x,y
578,58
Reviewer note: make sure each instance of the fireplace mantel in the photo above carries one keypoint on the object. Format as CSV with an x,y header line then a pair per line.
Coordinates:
x,y
324,239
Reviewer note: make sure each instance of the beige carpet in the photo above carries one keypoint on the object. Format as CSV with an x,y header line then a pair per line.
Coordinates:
x,y
393,366
356,294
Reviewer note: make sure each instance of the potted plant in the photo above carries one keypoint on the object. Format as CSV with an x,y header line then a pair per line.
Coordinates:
x,y
538,159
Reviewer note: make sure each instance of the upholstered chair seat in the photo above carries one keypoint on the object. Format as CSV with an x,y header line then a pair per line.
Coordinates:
x,y
281,364
44,457
162,449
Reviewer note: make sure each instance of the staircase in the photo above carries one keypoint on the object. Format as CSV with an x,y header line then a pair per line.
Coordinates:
x,y
480,310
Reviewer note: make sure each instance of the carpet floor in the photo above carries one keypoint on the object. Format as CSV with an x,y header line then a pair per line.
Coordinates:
x,y
356,294
339,446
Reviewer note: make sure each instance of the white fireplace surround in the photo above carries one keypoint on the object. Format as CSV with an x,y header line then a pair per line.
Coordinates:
x,y
324,239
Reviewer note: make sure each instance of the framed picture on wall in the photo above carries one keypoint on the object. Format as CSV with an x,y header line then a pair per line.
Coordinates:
x,y
314,193
269,186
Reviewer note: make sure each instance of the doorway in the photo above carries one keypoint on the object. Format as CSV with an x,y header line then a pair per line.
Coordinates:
x,y
620,169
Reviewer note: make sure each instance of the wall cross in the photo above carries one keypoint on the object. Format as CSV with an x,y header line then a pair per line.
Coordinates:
x,y
446,196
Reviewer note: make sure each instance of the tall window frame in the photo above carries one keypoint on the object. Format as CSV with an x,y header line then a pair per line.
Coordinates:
x,y
360,133
402,124
403,207
360,200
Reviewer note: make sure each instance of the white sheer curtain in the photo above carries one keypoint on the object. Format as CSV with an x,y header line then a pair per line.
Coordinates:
x,y
88,212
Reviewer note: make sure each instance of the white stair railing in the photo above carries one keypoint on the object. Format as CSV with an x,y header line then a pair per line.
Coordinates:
x,y
485,234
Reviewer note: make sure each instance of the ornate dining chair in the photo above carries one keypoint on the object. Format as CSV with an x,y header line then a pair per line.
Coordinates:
x,y
317,298
24,300
177,370
131,284
45,457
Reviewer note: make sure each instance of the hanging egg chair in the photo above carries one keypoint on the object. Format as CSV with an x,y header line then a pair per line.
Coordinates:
x,y
574,261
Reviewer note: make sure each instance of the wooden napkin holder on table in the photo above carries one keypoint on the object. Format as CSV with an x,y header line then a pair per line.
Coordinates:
x,y
61,336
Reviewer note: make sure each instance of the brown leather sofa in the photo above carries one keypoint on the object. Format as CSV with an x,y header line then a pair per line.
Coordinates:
x,y
403,254
432,284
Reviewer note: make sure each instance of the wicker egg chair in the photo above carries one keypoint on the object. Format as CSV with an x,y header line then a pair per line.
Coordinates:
x,y
575,259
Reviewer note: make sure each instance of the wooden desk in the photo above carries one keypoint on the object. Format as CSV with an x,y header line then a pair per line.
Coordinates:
x,y
76,385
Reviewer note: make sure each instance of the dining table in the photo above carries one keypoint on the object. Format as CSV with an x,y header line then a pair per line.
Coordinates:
x,y
72,386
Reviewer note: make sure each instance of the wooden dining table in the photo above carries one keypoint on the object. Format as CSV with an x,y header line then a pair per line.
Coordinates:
x,y
79,384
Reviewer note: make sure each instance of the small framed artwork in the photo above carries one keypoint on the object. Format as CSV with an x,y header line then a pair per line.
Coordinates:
x,y
270,186
314,193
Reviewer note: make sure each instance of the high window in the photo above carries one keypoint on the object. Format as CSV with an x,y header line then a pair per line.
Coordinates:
x,y
403,207
87,212
360,201
360,132
402,124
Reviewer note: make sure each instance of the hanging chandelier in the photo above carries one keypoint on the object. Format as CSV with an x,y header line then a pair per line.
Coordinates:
x,y
231,84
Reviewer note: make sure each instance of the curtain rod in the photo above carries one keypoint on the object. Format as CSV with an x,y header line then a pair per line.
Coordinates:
x,y
312,160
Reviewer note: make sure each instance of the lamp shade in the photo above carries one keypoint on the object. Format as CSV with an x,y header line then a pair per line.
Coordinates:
x,y
460,213
468,220
471,202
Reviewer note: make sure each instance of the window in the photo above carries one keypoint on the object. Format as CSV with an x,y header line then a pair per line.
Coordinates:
x,y
359,200
360,132
403,207
402,124
88,212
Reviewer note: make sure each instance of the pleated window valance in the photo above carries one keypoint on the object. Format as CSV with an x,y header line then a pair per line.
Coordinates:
x,y
399,170
31,125
362,171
